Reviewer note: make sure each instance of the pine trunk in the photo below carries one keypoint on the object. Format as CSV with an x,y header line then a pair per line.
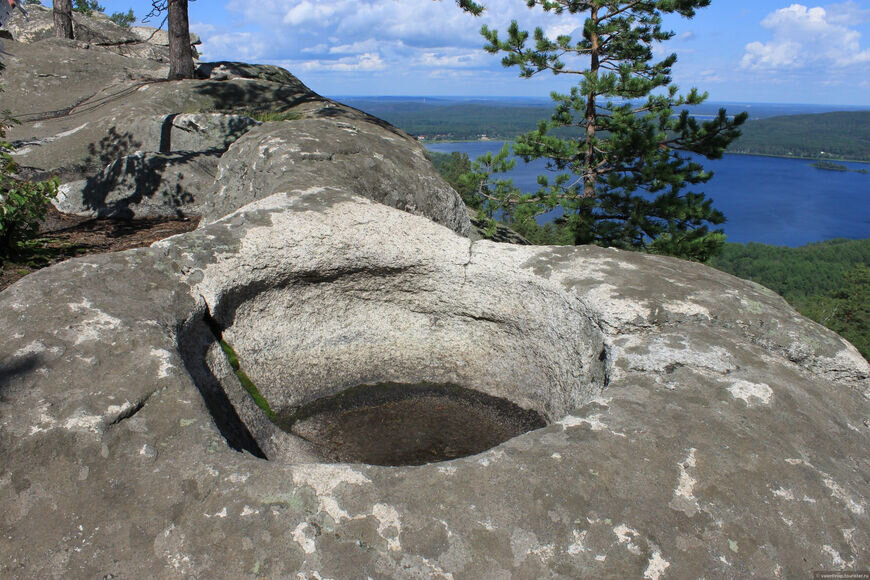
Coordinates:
x,y
63,26
590,175
180,53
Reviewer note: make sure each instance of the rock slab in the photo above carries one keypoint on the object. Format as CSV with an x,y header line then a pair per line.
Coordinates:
x,y
698,426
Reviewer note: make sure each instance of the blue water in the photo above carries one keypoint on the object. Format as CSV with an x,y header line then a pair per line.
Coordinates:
x,y
782,202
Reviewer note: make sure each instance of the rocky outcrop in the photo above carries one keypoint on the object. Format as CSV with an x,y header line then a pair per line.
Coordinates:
x,y
143,185
94,31
329,148
697,426
680,422
98,118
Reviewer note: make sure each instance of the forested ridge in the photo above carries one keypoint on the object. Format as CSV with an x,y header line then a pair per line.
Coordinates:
x,y
841,135
458,121
838,135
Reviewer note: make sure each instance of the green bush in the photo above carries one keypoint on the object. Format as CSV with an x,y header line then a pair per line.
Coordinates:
x,y
22,204
87,7
123,19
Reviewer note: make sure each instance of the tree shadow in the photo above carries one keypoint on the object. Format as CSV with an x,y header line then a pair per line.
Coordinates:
x,y
113,146
143,177
255,96
14,367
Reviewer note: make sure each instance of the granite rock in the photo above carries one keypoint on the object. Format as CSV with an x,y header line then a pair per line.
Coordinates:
x,y
697,425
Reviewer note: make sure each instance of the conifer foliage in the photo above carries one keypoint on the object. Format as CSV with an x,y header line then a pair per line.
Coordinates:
x,y
622,182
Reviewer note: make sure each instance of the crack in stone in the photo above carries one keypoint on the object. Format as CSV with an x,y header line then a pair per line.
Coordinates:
x,y
133,410
468,262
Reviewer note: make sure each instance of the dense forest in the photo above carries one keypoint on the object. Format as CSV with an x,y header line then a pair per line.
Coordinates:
x,y
842,135
828,282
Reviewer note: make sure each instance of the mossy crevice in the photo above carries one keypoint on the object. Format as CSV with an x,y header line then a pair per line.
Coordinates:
x,y
245,380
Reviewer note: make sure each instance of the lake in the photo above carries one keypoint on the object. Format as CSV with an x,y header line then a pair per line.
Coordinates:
x,y
770,200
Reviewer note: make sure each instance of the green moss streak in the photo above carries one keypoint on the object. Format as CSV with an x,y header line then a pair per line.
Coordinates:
x,y
246,381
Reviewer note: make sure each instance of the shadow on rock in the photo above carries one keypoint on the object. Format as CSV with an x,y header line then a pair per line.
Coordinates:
x,y
13,367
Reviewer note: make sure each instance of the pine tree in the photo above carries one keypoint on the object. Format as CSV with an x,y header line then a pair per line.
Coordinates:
x,y
620,181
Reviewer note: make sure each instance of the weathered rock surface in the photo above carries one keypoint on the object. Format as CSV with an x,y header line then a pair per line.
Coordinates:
x,y
86,109
332,149
143,184
699,427
94,31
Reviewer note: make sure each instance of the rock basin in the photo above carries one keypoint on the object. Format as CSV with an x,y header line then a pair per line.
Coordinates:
x,y
696,425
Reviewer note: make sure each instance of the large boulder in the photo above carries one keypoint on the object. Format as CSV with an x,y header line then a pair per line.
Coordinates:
x,y
696,426
330,148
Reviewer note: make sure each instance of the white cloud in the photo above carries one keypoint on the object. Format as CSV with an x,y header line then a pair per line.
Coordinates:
x,y
307,12
317,49
359,47
233,46
367,62
804,37
450,59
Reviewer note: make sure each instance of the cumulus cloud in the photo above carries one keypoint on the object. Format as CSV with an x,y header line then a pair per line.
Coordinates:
x,y
242,45
804,37
366,62
401,33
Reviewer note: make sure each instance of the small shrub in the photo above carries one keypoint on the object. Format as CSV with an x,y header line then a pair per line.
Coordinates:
x,y
87,7
23,204
123,19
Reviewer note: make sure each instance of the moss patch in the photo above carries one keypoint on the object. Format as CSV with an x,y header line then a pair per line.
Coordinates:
x,y
272,116
246,381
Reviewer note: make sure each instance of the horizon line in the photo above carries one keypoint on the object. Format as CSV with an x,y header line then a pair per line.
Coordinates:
x,y
538,98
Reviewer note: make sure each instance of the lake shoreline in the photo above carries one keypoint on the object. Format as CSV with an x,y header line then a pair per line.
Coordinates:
x,y
779,201
797,158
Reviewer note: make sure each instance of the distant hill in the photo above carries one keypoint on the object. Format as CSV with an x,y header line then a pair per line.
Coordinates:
x,y
442,119
811,135
840,135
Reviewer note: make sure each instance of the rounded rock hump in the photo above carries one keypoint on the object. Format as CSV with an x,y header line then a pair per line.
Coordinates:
x,y
692,424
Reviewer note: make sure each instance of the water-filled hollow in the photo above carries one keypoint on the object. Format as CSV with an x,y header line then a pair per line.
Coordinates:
x,y
385,361
407,424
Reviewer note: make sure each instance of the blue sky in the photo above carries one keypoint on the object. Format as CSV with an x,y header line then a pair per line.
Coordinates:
x,y
737,50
